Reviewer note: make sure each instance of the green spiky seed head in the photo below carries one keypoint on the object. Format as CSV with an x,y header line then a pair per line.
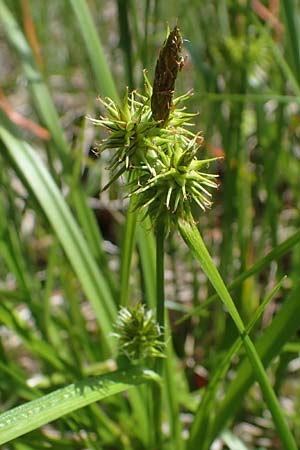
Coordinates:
x,y
139,336
155,148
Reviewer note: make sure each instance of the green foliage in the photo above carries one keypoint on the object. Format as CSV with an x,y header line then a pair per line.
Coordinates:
x,y
71,255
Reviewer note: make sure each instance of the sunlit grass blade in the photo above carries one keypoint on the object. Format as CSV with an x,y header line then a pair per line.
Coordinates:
x,y
32,170
146,246
283,327
232,441
193,239
128,245
201,423
103,76
274,255
41,411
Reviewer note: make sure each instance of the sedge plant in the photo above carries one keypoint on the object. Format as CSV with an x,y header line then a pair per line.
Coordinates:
x,y
157,154
146,156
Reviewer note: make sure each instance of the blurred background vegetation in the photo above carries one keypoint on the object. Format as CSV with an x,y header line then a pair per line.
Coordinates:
x,y
243,64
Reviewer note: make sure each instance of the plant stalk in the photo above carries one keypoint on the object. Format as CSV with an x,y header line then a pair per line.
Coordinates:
x,y
128,243
160,317
160,282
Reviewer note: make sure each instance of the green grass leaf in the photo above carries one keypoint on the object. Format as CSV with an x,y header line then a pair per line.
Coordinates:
x,y
282,328
40,92
193,239
32,171
105,81
32,415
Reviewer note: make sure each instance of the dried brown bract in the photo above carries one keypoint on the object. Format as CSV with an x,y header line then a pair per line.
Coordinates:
x,y
168,64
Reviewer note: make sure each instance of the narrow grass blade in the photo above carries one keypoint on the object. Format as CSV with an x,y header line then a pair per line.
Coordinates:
x,y
34,344
42,98
193,239
170,392
231,441
124,12
88,223
201,422
246,98
292,33
32,415
259,265
146,246
128,243
32,170
292,347
283,327
94,48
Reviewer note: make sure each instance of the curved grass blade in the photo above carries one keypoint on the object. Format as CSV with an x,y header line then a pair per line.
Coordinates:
x,y
31,169
201,421
275,254
283,327
193,239
38,412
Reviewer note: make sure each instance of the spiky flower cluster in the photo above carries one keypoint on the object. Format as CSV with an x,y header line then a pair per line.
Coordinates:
x,y
160,159
139,336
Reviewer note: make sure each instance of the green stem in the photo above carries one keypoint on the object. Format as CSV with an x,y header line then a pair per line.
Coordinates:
x,y
160,317
160,284
127,251
193,239
165,367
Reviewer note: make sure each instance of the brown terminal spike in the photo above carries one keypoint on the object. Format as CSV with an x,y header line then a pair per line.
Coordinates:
x,y
168,64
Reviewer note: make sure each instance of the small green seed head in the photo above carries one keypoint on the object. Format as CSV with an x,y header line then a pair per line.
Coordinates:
x,y
177,185
139,336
